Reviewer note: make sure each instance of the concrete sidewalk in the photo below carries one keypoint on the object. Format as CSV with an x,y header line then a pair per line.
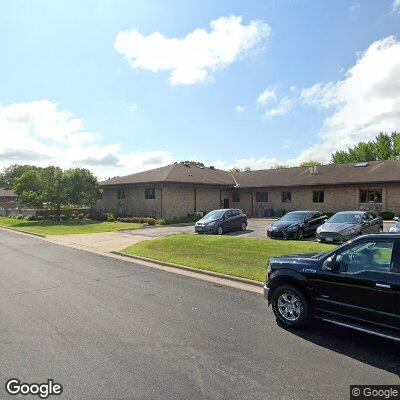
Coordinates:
x,y
99,242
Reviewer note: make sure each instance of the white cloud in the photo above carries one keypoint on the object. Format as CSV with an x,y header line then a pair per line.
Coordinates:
x,y
364,103
132,107
268,95
396,5
38,132
284,107
196,56
239,109
320,95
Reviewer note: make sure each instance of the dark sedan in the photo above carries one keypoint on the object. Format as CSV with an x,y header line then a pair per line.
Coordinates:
x,y
296,225
346,225
221,221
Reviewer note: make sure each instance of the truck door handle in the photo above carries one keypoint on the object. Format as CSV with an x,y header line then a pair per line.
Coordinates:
x,y
382,286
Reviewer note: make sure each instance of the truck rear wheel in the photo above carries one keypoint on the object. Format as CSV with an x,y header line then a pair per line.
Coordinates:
x,y
290,307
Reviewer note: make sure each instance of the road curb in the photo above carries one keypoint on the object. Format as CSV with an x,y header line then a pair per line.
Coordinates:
x,y
197,270
22,231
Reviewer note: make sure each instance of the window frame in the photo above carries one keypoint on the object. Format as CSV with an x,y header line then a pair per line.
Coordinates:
x,y
316,196
367,193
147,196
287,194
235,197
121,194
262,197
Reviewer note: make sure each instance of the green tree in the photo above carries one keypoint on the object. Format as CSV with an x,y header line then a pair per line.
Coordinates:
x,y
310,163
9,174
83,187
52,187
235,169
384,147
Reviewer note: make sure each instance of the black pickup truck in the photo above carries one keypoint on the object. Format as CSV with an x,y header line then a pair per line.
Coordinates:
x,y
357,286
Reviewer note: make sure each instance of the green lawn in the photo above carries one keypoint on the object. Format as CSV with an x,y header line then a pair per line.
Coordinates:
x,y
65,227
242,257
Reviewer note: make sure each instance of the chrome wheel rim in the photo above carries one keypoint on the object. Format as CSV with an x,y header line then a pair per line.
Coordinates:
x,y
219,230
300,235
289,306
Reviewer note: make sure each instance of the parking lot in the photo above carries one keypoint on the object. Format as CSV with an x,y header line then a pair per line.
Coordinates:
x,y
256,228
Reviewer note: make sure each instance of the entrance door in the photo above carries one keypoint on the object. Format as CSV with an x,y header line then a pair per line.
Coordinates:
x,y
226,203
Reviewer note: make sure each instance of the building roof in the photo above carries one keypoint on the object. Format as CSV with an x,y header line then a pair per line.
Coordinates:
x,y
330,174
176,173
7,193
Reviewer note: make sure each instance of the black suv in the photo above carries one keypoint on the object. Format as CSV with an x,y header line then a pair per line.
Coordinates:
x,y
221,221
356,285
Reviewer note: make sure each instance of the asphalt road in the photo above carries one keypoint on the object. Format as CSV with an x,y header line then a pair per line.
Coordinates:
x,y
107,329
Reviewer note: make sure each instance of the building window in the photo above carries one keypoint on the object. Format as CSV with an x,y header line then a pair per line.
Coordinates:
x,y
235,197
149,193
262,197
318,196
121,194
371,196
286,197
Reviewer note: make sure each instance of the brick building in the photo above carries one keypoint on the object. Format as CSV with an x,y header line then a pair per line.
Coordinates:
x,y
177,190
8,199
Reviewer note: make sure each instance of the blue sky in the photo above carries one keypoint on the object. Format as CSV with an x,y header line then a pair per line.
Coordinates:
x,y
72,93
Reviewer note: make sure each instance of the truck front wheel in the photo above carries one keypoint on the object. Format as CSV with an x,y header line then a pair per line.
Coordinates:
x,y
290,307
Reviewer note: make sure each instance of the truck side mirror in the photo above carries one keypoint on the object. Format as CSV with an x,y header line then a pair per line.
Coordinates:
x,y
329,264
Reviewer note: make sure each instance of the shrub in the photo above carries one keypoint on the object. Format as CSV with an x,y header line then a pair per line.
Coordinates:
x,y
20,216
63,217
161,221
387,215
30,218
52,217
151,221
109,217
40,218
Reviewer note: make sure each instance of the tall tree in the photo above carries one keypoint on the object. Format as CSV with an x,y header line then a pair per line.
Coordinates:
x,y
9,174
384,147
83,187
53,187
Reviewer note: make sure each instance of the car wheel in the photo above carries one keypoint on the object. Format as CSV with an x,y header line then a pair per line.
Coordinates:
x,y
219,230
381,229
290,307
244,226
300,234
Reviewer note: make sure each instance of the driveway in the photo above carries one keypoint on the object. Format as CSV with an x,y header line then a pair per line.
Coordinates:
x,y
109,329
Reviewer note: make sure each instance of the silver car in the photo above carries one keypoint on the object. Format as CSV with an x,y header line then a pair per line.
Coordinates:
x,y
347,225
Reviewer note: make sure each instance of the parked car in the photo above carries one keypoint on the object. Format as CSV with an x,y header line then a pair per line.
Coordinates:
x,y
346,225
221,221
296,225
396,226
357,286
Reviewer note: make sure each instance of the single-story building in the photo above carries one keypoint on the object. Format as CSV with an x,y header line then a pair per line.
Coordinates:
x,y
8,199
180,189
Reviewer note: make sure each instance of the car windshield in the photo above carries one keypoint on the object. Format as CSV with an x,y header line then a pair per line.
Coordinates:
x,y
345,218
214,215
293,216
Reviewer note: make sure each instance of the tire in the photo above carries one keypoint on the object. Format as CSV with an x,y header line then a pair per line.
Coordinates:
x,y
381,229
297,315
300,234
219,230
243,226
